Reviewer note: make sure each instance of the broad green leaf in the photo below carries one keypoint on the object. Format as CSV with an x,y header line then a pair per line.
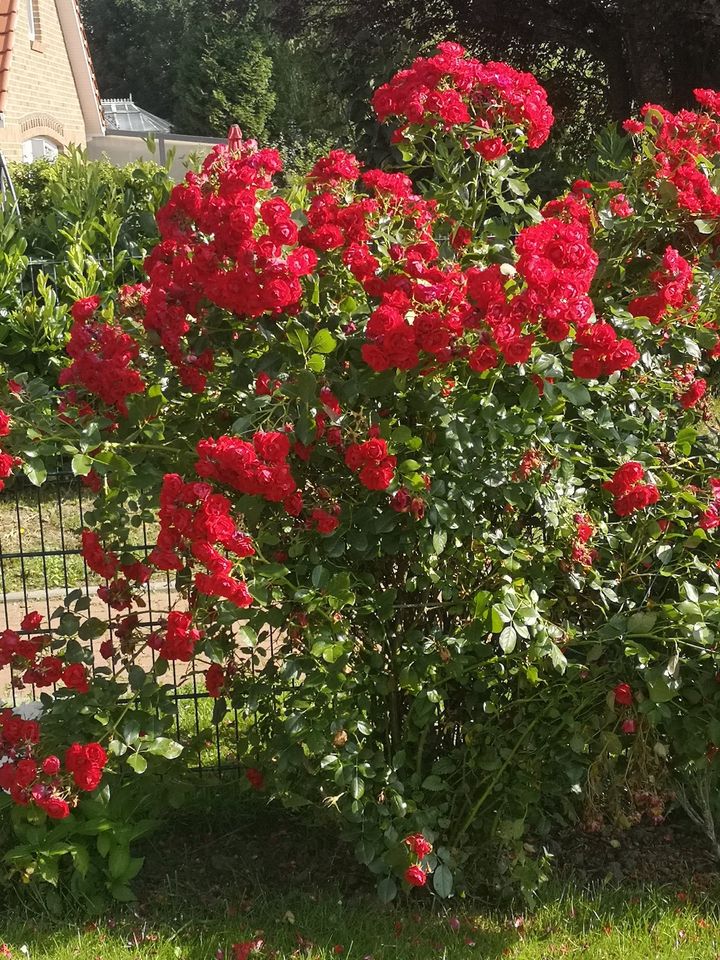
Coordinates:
x,y
138,762
387,890
163,747
323,342
81,465
443,881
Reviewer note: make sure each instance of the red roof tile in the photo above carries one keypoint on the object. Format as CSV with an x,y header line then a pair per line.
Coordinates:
x,y
8,16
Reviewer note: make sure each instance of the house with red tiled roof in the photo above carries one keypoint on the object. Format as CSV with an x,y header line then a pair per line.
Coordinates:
x,y
48,94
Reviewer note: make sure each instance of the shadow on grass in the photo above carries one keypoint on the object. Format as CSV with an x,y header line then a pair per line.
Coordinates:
x,y
232,868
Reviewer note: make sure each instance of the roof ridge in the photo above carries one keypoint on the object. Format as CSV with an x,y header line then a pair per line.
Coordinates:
x,y
8,17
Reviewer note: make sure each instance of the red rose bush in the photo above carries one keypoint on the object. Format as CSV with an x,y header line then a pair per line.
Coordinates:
x,y
454,446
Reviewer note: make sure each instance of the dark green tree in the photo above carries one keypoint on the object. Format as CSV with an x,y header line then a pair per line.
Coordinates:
x,y
134,45
648,50
224,70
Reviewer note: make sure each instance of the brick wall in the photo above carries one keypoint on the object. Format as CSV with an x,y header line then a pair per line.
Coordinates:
x,y
42,99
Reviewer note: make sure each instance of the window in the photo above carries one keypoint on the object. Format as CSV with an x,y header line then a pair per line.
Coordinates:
x,y
39,148
31,20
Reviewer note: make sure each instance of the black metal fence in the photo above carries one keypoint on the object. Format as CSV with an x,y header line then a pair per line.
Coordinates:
x,y
41,563
29,280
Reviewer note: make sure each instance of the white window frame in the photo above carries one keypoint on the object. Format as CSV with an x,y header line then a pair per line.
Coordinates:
x,y
37,148
32,32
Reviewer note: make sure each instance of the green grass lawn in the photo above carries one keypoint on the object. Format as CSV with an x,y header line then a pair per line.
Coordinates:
x,y
45,520
606,925
232,868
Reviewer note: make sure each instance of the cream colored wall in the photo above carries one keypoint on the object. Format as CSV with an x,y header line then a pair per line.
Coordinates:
x,y
121,150
42,99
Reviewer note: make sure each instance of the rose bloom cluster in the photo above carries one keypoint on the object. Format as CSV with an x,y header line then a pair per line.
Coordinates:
x,y
558,265
581,553
710,519
24,655
102,356
194,522
629,489
44,782
224,243
673,285
680,142
414,285
259,468
601,352
215,680
196,529
178,639
483,104
370,460
7,461
424,314
416,874
691,387
121,591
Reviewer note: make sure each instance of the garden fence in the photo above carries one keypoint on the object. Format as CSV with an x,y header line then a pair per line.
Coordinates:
x,y
41,563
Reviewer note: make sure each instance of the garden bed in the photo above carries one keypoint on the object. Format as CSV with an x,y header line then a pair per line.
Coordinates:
x,y
227,875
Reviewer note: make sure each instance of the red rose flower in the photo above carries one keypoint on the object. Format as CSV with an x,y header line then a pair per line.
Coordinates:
x,y
56,808
693,394
84,309
491,149
215,680
415,876
75,677
418,844
255,778
51,766
623,695
482,358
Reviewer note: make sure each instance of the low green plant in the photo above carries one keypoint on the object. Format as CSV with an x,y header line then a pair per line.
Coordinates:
x,y
85,226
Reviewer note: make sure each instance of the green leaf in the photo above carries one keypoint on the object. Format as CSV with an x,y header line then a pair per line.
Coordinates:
x,y
92,629
136,677
297,336
365,852
497,619
507,639
387,890
357,788
641,622
323,342
659,688
439,540
577,393
705,226
163,747
68,625
36,471
81,465
443,881
81,858
220,709
401,434
348,305
316,363
118,861
306,386
122,893
137,762
482,602
433,783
